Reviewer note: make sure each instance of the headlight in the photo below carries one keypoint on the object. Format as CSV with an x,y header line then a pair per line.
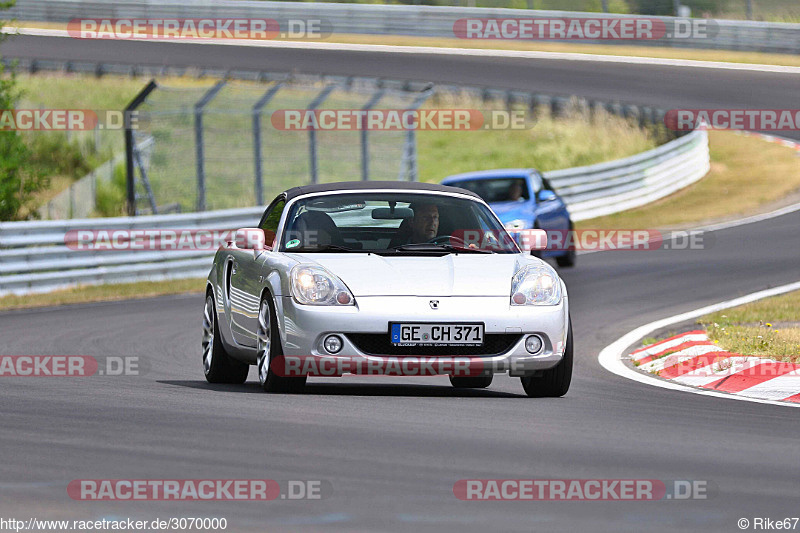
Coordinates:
x,y
515,224
535,285
313,285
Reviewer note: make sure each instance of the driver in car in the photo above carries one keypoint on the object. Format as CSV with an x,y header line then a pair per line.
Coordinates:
x,y
424,223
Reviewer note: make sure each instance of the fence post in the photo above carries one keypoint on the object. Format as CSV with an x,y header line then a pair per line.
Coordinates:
x,y
365,133
129,144
198,142
312,134
409,163
259,105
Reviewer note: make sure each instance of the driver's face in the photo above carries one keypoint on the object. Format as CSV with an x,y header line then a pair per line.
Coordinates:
x,y
425,224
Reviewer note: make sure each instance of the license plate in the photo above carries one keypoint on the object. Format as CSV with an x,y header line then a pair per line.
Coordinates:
x,y
427,334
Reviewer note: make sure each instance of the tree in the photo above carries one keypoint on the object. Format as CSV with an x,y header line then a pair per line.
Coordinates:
x,y
18,182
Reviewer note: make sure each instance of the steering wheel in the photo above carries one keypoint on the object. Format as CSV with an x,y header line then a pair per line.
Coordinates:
x,y
449,239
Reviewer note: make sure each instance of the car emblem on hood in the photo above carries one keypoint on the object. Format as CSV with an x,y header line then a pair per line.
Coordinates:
x,y
434,304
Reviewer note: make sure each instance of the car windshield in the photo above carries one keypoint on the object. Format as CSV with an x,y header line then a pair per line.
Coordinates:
x,y
393,223
494,190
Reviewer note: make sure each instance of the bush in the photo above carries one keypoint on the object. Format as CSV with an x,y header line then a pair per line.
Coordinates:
x,y
112,195
53,154
18,182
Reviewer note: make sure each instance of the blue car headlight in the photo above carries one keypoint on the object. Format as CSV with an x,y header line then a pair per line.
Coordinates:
x,y
535,285
514,224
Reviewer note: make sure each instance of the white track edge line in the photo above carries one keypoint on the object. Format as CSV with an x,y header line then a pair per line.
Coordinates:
x,y
434,50
610,357
752,219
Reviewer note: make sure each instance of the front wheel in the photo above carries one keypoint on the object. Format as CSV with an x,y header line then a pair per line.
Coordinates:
x,y
218,366
270,353
553,382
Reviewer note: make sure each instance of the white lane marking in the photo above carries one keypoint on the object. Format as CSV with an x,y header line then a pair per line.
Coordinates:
x,y
670,235
435,50
647,352
751,219
610,357
776,388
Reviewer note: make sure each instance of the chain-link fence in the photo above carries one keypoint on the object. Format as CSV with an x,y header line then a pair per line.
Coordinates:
x,y
222,145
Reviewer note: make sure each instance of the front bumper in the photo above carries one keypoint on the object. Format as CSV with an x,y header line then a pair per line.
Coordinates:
x,y
303,327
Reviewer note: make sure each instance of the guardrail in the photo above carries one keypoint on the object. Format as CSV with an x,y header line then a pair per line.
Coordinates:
x,y
415,20
607,188
35,257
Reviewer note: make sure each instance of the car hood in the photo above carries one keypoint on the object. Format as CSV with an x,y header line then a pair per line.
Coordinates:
x,y
508,211
449,275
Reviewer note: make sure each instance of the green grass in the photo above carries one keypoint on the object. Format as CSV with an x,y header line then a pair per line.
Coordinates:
x,y
104,293
769,10
783,308
768,328
552,143
746,174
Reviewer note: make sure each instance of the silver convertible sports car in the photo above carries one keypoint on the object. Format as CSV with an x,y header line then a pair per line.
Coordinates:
x,y
385,278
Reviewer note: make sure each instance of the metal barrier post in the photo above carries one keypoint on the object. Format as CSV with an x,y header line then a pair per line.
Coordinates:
x,y
198,136
365,134
259,105
312,134
130,146
408,165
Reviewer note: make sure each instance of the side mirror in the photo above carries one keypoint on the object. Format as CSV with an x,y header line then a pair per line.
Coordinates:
x,y
546,195
250,239
532,239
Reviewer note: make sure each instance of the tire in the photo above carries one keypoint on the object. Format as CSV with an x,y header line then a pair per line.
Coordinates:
x,y
554,382
479,382
568,259
218,366
270,350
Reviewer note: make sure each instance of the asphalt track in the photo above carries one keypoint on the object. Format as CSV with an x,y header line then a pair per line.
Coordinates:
x,y
666,87
393,448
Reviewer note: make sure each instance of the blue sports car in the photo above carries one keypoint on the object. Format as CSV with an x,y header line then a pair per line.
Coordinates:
x,y
522,199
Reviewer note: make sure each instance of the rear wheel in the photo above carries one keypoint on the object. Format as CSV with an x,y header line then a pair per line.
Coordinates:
x,y
218,366
553,382
478,382
270,353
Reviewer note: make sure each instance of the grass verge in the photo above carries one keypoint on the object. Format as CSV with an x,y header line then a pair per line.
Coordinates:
x,y
103,293
552,143
746,174
727,56
769,328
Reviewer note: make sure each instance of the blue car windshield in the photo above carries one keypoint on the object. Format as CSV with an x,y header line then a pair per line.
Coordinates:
x,y
393,223
495,190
